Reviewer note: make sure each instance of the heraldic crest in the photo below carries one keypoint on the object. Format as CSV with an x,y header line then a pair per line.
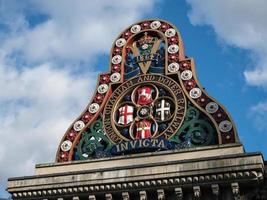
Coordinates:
x,y
150,100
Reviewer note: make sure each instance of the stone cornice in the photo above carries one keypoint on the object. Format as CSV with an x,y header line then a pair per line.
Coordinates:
x,y
245,168
189,181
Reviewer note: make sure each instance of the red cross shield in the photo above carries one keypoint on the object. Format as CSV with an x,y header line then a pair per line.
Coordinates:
x,y
144,95
125,115
143,129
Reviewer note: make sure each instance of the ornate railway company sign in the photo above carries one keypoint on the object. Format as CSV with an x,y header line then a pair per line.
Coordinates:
x,y
149,101
147,106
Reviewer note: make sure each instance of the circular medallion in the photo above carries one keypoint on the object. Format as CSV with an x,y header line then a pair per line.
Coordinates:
x,y
173,67
173,48
225,126
144,111
212,107
141,106
170,32
116,59
144,46
93,108
195,93
103,88
186,75
79,125
115,77
155,24
136,28
120,42
66,145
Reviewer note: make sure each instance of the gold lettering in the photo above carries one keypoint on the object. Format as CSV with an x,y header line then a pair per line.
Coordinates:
x,y
180,101
176,124
124,88
172,128
146,78
149,78
180,107
129,84
115,95
168,134
179,117
112,100
176,89
140,79
160,79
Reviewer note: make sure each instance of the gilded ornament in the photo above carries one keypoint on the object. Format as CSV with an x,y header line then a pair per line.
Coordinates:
x,y
115,77
103,88
174,48
155,24
136,28
93,108
78,125
212,107
225,126
120,42
170,32
195,93
66,145
173,67
116,59
186,75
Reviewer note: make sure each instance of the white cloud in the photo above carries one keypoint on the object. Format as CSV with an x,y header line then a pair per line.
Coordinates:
x,y
73,30
258,76
37,106
240,23
41,88
259,115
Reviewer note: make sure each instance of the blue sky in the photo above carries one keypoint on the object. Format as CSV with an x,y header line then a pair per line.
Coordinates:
x,y
52,50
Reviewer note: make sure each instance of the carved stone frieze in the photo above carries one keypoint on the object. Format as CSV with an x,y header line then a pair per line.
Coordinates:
x,y
161,194
197,192
215,190
143,195
179,193
125,196
235,191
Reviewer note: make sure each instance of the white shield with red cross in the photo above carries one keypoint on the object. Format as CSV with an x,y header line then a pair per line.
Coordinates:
x,y
143,129
144,95
125,115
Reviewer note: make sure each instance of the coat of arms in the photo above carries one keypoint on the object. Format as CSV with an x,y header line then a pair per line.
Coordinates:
x,y
163,110
125,115
144,95
143,129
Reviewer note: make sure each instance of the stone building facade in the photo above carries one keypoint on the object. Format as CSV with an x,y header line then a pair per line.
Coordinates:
x,y
150,132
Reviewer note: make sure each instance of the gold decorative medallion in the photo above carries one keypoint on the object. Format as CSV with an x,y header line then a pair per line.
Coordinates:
x,y
147,106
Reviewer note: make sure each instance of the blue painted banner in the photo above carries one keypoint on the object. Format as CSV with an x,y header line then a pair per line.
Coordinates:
x,y
143,145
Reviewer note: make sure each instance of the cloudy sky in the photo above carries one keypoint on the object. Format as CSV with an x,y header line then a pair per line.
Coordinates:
x,y
52,50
